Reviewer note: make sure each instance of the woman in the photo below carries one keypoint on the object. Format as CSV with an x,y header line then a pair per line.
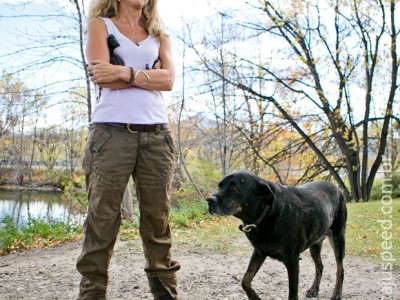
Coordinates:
x,y
128,136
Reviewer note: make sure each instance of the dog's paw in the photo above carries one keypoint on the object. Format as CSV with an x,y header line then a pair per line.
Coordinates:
x,y
312,293
336,298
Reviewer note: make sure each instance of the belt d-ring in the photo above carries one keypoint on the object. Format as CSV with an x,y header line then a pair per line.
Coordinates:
x,y
130,130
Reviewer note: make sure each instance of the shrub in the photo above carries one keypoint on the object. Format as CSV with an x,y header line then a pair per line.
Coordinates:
x,y
188,213
8,233
36,233
393,180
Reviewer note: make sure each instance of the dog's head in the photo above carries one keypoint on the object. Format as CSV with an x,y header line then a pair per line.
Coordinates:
x,y
241,194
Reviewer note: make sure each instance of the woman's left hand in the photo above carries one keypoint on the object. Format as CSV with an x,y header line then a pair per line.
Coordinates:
x,y
103,72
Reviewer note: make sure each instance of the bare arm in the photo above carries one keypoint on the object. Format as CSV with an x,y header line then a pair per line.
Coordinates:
x,y
117,77
97,51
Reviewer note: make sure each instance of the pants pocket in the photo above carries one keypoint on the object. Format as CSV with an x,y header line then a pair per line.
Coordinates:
x,y
101,141
170,141
87,161
93,145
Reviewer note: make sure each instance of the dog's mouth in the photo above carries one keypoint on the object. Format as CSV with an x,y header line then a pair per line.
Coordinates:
x,y
233,209
218,208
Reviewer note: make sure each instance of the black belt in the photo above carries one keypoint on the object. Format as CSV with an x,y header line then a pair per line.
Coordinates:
x,y
134,128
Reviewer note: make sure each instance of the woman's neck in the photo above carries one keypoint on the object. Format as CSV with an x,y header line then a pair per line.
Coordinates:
x,y
129,14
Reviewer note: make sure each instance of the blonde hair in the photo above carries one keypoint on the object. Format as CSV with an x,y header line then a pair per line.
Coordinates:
x,y
151,21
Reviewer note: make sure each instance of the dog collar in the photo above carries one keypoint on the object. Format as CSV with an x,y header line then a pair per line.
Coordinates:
x,y
249,227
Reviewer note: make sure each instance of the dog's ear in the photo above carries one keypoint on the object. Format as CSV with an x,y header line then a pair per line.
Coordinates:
x,y
266,192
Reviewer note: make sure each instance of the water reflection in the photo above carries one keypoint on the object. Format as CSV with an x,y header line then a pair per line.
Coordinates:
x,y
35,205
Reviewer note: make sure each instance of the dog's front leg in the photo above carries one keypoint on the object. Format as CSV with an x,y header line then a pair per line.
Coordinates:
x,y
292,266
256,262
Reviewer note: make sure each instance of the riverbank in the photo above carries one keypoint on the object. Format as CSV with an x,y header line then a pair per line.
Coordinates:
x,y
41,188
41,180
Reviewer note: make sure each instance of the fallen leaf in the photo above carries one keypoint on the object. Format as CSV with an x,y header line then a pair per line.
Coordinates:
x,y
372,249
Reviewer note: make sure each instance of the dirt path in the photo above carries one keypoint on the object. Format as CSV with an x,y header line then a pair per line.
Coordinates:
x,y
50,274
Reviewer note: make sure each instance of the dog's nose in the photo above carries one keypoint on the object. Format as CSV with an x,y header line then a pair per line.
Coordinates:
x,y
212,200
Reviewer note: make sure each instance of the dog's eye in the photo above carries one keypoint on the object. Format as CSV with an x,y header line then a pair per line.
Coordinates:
x,y
234,189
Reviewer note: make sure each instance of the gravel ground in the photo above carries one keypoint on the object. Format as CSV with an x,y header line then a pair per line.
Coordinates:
x,y
50,274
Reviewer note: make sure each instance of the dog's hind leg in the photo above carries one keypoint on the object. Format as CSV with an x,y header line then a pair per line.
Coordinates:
x,y
255,264
315,251
338,242
292,266
338,245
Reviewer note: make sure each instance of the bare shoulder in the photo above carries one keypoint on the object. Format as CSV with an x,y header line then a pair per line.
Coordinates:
x,y
97,25
165,42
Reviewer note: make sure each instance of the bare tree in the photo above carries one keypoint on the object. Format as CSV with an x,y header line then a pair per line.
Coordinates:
x,y
73,135
217,129
18,110
52,47
49,144
335,63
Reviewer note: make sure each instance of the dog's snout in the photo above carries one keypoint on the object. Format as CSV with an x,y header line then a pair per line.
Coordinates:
x,y
212,200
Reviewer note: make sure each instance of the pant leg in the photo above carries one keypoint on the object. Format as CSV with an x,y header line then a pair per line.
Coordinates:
x,y
109,160
152,176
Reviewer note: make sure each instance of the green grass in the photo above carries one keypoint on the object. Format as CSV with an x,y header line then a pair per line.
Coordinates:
x,y
189,214
218,234
36,233
367,237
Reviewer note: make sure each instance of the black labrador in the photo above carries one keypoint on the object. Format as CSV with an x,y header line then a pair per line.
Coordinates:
x,y
283,221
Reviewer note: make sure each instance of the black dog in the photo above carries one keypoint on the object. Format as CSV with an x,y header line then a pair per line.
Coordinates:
x,y
282,222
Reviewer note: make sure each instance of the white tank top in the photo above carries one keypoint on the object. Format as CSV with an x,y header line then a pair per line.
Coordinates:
x,y
133,105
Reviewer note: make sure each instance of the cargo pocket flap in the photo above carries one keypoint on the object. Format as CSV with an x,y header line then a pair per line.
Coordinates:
x,y
100,142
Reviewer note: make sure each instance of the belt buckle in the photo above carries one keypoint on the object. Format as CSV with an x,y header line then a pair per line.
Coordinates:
x,y
130,130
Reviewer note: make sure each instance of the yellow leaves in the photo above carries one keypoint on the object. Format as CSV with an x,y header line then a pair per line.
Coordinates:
x,y
303,60
38,242
17,245
371,250
42,242
260,72
77,180
361,237
336,113
308,128
129,234
346,134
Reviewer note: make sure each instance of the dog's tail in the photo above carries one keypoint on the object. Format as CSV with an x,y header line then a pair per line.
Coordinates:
x,y
338,228
339,224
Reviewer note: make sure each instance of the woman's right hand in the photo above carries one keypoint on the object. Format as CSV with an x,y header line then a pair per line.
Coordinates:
x,y
103,72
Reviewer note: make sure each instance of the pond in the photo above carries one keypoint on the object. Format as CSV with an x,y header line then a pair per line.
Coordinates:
x,y
25,205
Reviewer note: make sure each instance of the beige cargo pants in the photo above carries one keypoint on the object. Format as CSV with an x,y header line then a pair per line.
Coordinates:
x,y
112,155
